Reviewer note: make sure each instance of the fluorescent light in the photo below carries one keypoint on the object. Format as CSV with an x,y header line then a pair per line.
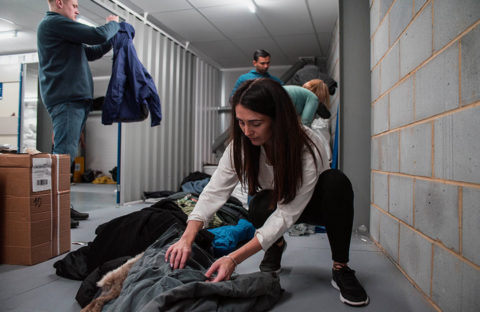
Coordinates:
x,y
6,25
251,6
30,99
8,34
85,21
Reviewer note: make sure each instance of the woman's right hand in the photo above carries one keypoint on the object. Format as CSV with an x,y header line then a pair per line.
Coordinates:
x,y
178,254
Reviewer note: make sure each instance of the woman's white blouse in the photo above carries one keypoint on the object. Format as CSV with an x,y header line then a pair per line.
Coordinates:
x,y
224,180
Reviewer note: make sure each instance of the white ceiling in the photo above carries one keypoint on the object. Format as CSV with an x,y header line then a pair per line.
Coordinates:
x,y
223,30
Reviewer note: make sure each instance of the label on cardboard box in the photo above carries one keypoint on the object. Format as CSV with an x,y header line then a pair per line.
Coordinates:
x,y
41,174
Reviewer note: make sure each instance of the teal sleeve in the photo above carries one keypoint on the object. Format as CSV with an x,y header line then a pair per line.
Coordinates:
x,y
277,80
305,101
79,33
309,110
240,80
97,51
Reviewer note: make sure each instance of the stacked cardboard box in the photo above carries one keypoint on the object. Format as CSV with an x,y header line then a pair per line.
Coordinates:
x,y
79,163
35,207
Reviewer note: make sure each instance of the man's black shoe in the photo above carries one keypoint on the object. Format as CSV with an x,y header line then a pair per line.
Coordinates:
x,y
351,292
76,215
73,223
273,257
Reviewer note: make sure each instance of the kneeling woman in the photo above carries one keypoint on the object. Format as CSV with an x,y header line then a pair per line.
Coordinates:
x,y
285,166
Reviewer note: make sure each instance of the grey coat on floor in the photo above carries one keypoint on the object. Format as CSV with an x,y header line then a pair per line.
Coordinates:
x,y
152,285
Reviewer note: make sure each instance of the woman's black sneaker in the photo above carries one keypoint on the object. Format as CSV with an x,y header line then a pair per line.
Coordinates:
x,y
351,292
273,257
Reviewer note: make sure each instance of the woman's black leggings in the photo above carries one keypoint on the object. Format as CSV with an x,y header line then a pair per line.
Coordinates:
x,y
331,205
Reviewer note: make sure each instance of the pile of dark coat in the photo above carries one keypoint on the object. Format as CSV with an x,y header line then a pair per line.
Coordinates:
x,y
124,237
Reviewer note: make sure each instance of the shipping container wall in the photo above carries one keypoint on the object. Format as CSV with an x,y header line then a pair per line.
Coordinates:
x,y
158,158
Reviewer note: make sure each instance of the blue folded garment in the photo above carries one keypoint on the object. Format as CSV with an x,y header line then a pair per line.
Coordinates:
x,y
196,186
227,237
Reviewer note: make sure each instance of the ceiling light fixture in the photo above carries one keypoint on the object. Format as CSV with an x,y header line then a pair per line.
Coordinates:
x,y
85,21
6,24
8,34
251,6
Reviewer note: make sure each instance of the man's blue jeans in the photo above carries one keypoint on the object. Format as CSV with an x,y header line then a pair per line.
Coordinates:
x,y
68,120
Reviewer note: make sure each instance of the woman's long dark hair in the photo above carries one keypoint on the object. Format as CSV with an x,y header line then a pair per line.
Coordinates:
x,y
268,97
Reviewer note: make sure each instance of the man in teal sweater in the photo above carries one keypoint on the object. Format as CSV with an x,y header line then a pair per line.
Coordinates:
x,y
261,62
66,85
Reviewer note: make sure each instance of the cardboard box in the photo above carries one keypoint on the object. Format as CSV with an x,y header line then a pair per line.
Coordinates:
x,y
61,224
60,173
35,207
79,168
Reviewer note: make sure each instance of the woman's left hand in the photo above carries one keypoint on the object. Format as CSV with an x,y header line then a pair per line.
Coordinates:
x,y
224,268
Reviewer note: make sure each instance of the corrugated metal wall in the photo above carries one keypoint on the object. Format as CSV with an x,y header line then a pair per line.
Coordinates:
x,y
206,116
158,158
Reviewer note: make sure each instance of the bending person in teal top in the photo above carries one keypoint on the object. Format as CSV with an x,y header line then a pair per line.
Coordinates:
x,y
66,85
305,101
261,62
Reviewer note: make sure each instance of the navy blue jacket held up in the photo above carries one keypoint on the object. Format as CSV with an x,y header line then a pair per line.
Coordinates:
x,y
131,92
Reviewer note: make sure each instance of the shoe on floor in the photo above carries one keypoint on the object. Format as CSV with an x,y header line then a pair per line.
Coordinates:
x,y
273,257
76,215
73,223
351,292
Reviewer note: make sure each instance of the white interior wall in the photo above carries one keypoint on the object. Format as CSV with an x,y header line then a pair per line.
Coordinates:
x,y
28,112
100,86
100,144
101,141
10,77
206,117
9,100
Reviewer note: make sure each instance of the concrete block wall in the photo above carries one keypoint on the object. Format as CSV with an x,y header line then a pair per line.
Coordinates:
x,y
425,165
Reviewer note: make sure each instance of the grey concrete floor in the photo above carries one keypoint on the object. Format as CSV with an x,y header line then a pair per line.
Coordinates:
x,y
305,275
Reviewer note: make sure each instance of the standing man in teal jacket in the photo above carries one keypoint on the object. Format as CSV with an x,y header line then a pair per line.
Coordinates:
x,y
66,85
261,62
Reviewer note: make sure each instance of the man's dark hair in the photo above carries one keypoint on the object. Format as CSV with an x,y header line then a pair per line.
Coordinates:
x,y
260,53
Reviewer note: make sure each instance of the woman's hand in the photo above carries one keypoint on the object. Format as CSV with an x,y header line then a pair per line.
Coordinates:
x,y
224,268
178,254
